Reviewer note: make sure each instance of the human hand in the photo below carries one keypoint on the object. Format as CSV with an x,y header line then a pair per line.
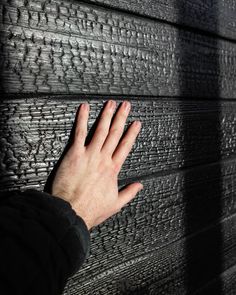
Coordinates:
x,y
87,176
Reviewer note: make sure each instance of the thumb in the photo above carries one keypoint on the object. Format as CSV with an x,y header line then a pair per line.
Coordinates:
x,y
128,193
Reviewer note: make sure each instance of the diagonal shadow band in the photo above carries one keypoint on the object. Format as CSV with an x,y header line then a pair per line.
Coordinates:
x,y
206,252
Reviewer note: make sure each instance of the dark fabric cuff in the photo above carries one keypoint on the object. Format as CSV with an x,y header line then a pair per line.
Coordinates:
x,y
75,223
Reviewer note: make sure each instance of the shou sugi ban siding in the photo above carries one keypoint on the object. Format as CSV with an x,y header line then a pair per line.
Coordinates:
x,y
176,63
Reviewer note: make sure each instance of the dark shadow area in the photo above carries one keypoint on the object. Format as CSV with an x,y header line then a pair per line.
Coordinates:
x,y
204,250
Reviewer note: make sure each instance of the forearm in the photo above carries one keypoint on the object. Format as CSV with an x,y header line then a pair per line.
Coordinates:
x,y
43,242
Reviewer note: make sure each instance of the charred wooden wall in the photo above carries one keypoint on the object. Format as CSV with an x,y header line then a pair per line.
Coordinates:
x,y
175,61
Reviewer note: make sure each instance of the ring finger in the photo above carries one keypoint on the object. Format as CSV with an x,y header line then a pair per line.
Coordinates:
x,y
116,129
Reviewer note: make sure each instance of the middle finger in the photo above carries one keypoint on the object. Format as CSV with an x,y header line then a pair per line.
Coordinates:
x,y
103,126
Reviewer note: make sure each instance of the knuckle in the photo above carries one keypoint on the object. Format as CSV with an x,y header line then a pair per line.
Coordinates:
x,y
103,166
115,130
124,115
116,168
125,143
80,133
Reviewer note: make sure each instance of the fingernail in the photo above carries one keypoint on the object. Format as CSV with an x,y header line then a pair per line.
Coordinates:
x,y
111,103
137,123
84,106
127,105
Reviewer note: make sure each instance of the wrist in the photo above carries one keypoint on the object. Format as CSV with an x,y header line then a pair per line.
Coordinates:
x,y
81,214
74,206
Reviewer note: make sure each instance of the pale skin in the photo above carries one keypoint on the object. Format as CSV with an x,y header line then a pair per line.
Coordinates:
x,y
88,175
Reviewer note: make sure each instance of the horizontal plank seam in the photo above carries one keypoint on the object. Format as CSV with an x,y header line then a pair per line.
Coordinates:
x,y
145,16
178,26
61,96
145,256
178,170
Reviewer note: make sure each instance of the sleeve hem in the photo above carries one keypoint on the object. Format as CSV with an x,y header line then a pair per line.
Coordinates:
x,y
64,208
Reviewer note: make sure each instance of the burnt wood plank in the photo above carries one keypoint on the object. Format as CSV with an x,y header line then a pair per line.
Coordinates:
x,y
34,131
217,17
73,47
33,135
160,271
143,245
225,284
89,49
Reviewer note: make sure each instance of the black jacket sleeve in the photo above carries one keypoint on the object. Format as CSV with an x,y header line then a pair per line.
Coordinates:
x,y
42,243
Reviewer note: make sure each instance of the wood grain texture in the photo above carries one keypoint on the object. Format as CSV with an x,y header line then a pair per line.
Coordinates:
x,y
177,66
79,48
34,131
196,14
160,271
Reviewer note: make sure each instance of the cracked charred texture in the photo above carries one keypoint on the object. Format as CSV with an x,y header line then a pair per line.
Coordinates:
x,y
34,132
185,154
162,269
89,49
147,235
199,14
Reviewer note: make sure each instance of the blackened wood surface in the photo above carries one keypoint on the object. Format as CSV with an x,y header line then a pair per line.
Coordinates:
x,y
154,270
38,128
101,51
176,63
34,133
198,13
227,279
